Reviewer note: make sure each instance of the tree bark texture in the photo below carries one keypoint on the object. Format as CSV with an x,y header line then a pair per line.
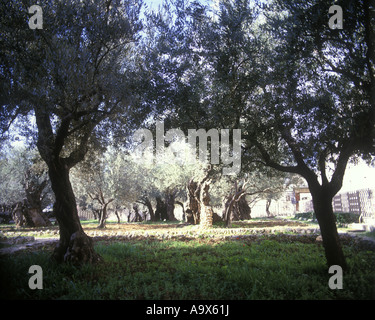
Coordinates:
x,y
200,210
193,212
74,245
137,217
236,207
268,204
206,214
161,209
24,215
169,201
322,202
148,204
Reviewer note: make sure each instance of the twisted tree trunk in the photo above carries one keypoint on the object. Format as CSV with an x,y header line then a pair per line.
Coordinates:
x,y
322,202
193,212
146,201
104,204
32,209
74,245
200,211
169,201
161,209
207,214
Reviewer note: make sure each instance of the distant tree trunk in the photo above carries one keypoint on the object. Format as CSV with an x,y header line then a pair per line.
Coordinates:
x,y
193,213
146,201
183,210
228,210
268,204
96,213
99,212
169,202
33,206
137,216
150,209
238,210
117,215
236,206
102,213
35,217
23,215
17,214
103,218
161,209
207,213
243,209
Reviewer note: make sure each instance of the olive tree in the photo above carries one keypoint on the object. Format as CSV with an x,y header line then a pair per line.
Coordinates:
x,y
74,76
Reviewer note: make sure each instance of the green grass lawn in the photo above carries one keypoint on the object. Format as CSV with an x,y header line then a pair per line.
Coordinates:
x,y
196,269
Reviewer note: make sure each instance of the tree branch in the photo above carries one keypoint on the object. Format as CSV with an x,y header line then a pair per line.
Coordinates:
x,y
270,163
79,153
46,139
338,176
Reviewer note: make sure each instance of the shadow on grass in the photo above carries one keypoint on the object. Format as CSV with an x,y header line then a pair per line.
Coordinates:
x,y
232,270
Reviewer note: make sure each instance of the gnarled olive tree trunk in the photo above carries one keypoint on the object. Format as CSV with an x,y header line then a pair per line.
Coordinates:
x,y
169,202
236,208
74,245
193,212
161,209
207,213
146,201
200,210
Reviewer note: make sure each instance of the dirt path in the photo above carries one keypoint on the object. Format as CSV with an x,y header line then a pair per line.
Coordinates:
x,y
29,245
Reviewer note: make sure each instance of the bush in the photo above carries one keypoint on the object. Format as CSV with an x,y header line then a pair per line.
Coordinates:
x,y
346,217
341,217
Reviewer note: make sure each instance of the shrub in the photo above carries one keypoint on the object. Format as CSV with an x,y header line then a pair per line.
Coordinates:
x,y
346,217
341,217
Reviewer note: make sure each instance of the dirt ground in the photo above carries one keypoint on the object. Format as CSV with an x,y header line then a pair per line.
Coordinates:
x,y
13,240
